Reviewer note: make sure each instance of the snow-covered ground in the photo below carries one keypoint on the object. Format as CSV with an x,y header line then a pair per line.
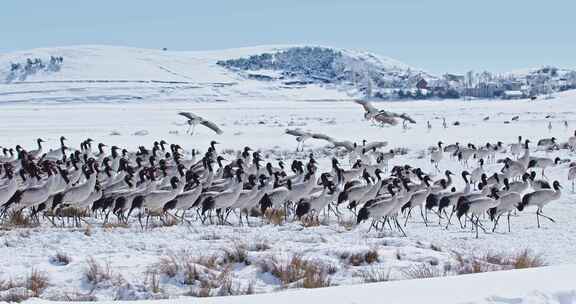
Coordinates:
x,y
547,285
130,252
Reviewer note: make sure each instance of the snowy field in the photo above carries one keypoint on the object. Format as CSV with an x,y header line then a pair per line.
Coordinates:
x,y
547,285
130,252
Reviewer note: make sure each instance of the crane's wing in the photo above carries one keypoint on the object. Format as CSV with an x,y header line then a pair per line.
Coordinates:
x,y
211,126
189,115
295,132
407,118
321,136
368,107
376,144
386,119
348,145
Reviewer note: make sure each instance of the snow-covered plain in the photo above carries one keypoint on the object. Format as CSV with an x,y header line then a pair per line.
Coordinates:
x,y
91,102
130,251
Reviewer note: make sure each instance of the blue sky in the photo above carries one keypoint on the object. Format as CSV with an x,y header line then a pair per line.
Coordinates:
x,y
438,36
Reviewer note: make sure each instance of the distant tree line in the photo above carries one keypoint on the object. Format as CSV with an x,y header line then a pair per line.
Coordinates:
x,y
19,71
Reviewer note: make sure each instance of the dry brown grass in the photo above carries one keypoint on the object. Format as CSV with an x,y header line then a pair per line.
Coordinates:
x,y
527,259
356,259
208,261
315,277
169,265
498,261
275,217
219,285
422,271
290,271
296,269
16,219
20,290
96,273
237,254
376,274
153,281
191,273
61,259
310,221
36,282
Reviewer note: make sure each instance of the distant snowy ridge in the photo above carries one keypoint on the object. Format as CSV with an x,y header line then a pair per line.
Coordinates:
x,y
95,73
363,71
546,285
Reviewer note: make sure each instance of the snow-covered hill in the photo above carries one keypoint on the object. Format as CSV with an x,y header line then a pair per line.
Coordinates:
x,y
269,73
112,74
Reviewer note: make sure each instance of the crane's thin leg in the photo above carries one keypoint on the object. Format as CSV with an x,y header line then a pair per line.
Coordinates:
x,y
496,223
477,222
407,216
399,226
539,211
423,217
508,222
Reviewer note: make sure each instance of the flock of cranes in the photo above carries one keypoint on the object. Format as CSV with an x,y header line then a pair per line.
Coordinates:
x,y
165,181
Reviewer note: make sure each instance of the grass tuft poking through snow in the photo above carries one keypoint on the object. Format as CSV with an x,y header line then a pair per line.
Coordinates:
x,y
153,281
37,282
356,259
96,273
422,271
20,290
296,270
527,259
237,254
61,259
376,274
499,261
16,219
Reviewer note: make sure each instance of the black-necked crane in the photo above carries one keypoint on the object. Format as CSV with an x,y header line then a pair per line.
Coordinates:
x,y
507,203
541,198
436,156
477,207
543,163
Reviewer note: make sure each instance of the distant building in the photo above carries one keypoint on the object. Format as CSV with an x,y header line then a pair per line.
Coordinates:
x,y
513,95
484,90
454,77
